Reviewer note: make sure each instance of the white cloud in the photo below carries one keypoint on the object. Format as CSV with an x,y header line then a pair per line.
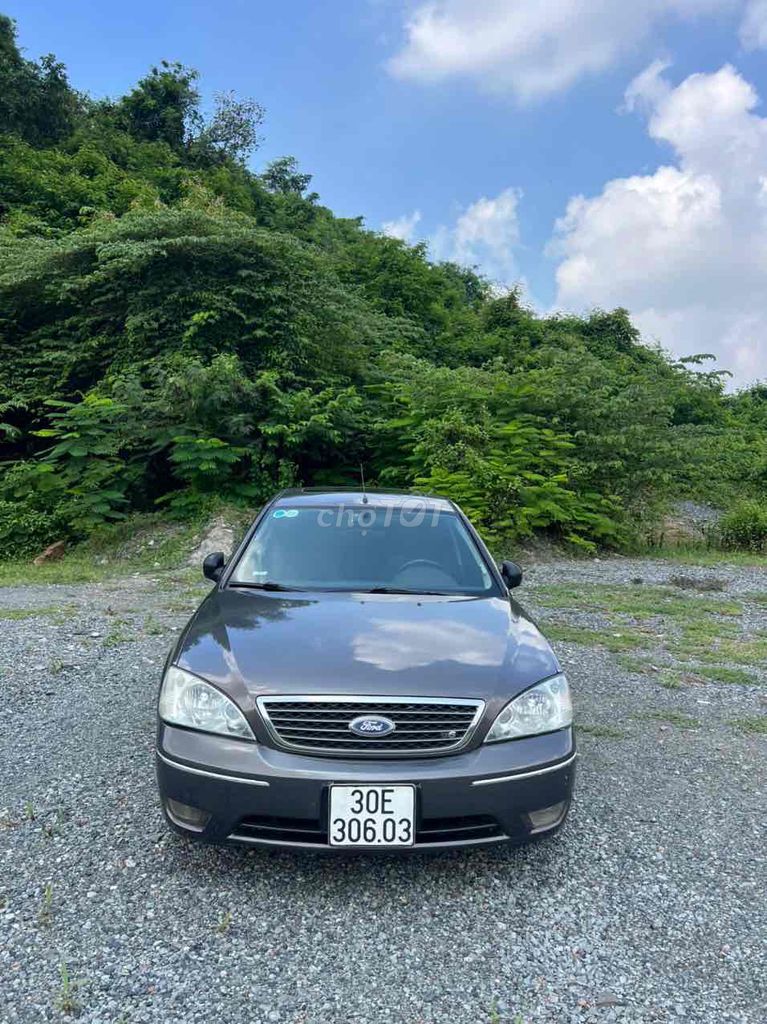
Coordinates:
x,y
685,248
484,235
533,49
648,88
403,227
753,30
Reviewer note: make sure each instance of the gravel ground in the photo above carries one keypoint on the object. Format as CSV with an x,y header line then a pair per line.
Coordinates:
x,y
648,906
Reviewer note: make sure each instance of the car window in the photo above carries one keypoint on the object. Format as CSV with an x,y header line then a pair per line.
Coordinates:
x,y
341,548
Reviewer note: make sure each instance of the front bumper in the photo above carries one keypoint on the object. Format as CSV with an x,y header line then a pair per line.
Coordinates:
x,y
261,796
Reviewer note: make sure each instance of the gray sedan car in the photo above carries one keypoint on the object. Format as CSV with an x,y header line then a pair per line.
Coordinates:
x,y
360,678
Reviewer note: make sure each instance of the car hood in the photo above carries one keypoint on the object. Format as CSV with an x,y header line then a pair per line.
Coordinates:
x,y
364,644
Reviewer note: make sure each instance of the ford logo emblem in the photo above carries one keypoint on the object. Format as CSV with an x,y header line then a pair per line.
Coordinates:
x,y
372,725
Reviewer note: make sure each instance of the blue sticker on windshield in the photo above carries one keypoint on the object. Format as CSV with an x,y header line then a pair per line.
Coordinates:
x,y
285,513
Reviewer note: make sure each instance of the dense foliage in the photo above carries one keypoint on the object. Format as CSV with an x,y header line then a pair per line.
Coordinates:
x,y
175,327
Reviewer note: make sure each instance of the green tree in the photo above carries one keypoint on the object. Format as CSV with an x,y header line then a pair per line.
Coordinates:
x,y
231,134
283,176
162,107
36,100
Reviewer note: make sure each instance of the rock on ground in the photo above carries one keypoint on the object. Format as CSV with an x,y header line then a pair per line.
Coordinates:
x,y
219,536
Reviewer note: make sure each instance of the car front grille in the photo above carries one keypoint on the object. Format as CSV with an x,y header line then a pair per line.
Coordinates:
x,y
320,724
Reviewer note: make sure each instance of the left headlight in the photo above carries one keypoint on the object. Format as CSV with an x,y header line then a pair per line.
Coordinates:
x,y
188,700
543,708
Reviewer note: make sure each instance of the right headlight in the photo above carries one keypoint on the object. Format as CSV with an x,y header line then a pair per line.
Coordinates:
x,y
188,700
545,707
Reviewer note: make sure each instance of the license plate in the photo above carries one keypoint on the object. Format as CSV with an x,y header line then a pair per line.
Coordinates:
x,y
372,816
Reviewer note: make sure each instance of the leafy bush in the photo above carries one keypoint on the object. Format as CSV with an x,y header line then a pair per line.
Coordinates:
x,y
25,530
744,526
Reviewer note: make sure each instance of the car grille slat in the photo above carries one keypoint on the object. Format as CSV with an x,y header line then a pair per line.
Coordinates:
x,y
305,831
404,737
410,734
344,716
319,725
342,728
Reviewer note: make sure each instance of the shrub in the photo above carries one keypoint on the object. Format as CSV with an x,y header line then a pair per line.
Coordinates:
x,y
744,526
25,530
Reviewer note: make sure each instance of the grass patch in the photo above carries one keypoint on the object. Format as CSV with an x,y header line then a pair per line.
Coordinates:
x,y
638,602
118,634
703,556
77,567
709,585
756,726
708,627
188,582
152,626
594,637
144,543
736,651
602,731
638,666
66,1001
719,642
224,922
722,674
673,718
17,614
670,679
707,631
44,913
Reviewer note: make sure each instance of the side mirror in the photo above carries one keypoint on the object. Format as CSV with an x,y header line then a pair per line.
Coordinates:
x,y
512,574
213,566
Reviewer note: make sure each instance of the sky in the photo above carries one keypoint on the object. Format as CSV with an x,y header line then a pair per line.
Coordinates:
x,y
599,153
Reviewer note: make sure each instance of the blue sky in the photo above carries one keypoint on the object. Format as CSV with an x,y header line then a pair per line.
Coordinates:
x,y
412,110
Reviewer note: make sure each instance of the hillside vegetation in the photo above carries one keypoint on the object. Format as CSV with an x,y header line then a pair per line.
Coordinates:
x,y
176,329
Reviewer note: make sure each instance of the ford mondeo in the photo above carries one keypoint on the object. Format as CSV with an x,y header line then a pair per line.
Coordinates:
x,y
360,677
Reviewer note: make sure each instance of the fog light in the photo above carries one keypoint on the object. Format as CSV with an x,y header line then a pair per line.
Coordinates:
x,y
187,816
546,817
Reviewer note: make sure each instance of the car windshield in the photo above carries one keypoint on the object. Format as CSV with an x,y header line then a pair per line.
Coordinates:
x,y
400,549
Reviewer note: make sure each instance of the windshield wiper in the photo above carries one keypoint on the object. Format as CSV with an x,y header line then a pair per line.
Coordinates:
x,y
272,585
401,590
266,585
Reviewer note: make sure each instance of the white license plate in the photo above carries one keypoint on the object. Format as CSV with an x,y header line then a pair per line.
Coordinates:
x,y
372,815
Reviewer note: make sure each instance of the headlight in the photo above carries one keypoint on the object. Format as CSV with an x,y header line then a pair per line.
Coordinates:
x,y
187,700
543,708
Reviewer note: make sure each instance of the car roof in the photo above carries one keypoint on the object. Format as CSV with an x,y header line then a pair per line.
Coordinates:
x,y
370,496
